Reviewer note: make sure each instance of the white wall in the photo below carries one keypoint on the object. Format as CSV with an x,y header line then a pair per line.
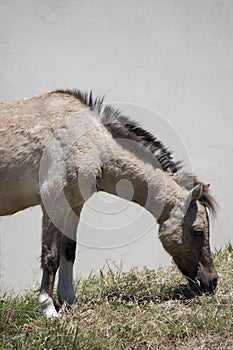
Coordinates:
x,y
171,56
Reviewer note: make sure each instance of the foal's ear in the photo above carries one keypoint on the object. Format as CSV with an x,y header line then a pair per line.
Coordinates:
x,y
195,193
206,187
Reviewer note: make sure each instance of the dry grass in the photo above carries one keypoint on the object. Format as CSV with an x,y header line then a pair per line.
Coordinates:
x,y
136,310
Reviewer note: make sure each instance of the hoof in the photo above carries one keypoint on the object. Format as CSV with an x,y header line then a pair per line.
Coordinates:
x,y
47,305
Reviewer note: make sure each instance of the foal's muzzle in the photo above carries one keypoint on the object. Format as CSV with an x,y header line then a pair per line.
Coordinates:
x,y
204,283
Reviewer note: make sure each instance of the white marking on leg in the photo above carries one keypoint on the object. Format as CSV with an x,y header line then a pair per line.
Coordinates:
x,y
46,302
65,288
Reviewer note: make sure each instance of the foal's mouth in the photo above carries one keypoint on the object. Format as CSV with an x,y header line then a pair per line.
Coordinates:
x,y
195,285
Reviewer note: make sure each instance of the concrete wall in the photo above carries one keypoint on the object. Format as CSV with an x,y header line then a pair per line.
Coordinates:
x,y
174,57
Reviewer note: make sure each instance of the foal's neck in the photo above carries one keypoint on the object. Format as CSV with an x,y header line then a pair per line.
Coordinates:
x,y
139,182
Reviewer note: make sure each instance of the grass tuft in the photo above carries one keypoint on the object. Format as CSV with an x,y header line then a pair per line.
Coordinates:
x,y
141,309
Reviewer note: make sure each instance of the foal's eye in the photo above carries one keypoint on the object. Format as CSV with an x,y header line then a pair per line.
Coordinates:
x,y
199,233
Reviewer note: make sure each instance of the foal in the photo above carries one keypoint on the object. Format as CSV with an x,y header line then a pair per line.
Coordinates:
x,y
59,148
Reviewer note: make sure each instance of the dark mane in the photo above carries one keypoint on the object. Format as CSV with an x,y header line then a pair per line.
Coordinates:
x,y
95,104
114,119
128,128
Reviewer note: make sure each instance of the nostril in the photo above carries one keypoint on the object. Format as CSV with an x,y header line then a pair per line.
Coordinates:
x,y
215,282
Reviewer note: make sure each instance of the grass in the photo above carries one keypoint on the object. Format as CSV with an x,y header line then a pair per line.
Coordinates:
x,y
135,310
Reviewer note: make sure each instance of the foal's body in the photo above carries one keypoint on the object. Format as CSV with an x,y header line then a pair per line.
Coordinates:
x,y
57,149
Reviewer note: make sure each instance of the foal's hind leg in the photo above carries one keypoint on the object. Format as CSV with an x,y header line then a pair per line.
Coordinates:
x,y
49,263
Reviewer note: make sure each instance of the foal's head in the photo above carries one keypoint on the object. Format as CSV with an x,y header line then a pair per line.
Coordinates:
x,y
186,238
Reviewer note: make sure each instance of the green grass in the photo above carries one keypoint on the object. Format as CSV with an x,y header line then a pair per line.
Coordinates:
x,y
135,310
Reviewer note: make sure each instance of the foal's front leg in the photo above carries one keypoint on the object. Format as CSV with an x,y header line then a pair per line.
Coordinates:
x,y
67,247
65,288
